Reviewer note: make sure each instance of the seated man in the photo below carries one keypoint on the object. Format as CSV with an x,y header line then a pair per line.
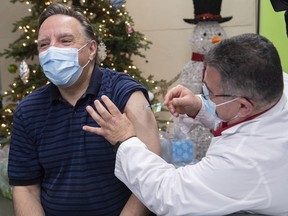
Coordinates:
x,y
54,166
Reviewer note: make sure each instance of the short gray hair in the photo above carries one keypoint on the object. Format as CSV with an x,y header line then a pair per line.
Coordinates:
x,y
249,66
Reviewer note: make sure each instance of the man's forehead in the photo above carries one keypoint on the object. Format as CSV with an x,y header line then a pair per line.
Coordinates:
x,y
59,27
60,21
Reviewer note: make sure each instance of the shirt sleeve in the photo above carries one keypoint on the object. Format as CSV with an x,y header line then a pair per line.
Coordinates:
x,y
201,189
203,118
23,166
123,87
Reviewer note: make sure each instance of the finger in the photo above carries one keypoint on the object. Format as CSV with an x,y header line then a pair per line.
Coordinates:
x,y
172,110
95,130
174,92
110,106
95,115
103,112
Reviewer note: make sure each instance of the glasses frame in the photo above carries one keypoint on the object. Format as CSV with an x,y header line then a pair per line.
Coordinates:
x,y
206,93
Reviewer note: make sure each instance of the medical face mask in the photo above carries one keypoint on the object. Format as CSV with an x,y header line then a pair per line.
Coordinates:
x,y
61,65
210,107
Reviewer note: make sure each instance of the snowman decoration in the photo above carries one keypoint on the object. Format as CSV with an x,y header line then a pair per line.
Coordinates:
x,y
206,33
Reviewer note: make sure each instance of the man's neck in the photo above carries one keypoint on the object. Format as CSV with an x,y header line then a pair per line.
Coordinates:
x,y
73,93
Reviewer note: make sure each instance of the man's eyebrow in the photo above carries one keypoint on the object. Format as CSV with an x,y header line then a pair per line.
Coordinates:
x,y
66,35
43,39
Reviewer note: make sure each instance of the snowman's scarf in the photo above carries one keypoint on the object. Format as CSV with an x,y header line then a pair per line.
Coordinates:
x,y
199,57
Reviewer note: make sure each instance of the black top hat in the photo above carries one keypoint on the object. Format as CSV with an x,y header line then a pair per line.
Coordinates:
x,y
207,10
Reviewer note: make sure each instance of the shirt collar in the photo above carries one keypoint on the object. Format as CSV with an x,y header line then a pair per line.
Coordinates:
x,y
93,88
224,126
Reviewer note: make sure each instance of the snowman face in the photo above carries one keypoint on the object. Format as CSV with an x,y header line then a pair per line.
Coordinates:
x,y
203,35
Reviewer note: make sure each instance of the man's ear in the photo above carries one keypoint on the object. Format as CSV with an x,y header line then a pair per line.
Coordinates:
x,y
246,108
93,50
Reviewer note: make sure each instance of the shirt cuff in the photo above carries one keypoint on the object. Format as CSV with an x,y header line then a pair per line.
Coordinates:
x,y
131,143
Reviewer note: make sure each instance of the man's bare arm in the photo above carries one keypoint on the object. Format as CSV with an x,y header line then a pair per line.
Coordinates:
x,y
26,201
146,128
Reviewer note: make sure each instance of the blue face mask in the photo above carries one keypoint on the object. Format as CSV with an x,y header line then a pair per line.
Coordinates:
x,y
61,65
211,107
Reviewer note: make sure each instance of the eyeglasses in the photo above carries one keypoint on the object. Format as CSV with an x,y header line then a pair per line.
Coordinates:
x,y
207,95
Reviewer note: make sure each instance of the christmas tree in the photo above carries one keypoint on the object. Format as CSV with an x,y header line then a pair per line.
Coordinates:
x,y
112,25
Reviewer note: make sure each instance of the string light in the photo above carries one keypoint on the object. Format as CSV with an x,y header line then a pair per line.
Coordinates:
x,y
8,111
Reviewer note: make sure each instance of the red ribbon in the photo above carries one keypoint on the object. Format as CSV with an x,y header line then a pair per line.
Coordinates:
x,y
197,57
207,16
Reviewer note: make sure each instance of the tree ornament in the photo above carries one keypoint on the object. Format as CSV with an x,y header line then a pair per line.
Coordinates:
x,y
24,71
129,29
116,3
101,53
12,68
151,95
